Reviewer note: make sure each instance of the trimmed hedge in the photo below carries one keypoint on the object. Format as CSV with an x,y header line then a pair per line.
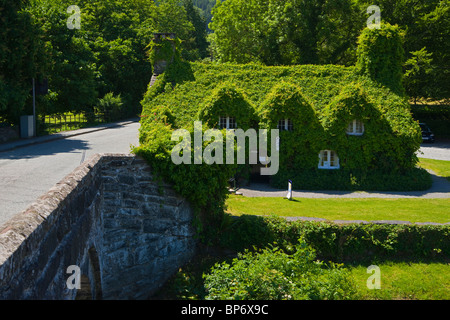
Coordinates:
x,y
414,179
354,242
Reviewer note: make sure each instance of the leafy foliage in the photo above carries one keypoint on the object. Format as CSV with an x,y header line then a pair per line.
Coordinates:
x,y
418,74
226,100
380,55
300,146
284,32
272,274
21,58
321,101
106,54
111,105
342,243
426,26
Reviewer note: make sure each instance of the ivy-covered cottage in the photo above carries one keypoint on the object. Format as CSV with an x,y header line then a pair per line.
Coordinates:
x,y
340,127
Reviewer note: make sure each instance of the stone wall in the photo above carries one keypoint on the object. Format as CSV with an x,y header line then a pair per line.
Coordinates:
x,y
125,231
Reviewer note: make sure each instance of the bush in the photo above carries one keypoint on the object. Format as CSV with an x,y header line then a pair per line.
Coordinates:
x,y
343,243
272,274
415,179
110,105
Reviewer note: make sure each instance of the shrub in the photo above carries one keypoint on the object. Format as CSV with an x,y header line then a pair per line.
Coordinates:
x,y
272,274
110,105
343,243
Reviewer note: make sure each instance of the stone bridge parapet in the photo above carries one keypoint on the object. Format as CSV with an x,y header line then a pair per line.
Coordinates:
x,y
126,232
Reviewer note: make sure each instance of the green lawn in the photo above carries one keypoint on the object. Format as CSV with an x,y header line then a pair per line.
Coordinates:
x,y
401,281
440,167
413,210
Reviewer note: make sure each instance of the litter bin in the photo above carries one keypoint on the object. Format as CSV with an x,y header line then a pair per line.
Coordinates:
x,y
26,126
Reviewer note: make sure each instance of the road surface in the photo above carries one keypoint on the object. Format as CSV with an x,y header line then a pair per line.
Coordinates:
x,y
28,172
437,150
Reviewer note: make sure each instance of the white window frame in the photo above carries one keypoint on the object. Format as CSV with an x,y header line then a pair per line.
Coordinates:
x,y
227,121
328,159
353,126
286,125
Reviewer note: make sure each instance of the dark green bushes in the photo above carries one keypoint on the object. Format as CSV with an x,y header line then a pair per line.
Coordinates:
x,y
414,179
437,117
356,243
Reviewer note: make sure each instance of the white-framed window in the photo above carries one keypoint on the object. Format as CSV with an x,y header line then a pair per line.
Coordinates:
x,y
328,159
285,124
355,128
227,123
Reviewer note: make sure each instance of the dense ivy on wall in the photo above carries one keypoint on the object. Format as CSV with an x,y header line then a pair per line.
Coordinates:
x,y
320,102
203,185
299,146
380,55
227,101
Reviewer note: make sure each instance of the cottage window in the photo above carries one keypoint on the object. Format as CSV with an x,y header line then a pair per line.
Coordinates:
x,y
227,123
328,159
355,128
285,124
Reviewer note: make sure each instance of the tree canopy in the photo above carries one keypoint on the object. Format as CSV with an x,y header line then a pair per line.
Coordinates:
x,y
106,52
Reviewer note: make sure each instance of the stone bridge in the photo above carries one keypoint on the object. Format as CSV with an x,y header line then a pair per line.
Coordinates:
x,y
125,232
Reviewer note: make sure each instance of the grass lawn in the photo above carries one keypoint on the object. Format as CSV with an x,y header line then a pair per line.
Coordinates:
x,y
401,281
413,210
440,167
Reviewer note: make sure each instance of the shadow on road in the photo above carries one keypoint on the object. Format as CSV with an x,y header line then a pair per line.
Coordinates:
x,y
45,149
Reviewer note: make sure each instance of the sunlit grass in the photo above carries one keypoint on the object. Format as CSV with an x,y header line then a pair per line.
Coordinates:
x,y
399,281
440,167
412,210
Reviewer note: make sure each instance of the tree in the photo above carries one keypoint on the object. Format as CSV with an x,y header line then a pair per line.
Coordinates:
x,y
205,7
22,57
196,45
72,69
108,53
426,24
418,75
285,32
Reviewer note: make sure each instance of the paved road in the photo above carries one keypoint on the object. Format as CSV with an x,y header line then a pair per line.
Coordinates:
x,y
437,150
28,172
